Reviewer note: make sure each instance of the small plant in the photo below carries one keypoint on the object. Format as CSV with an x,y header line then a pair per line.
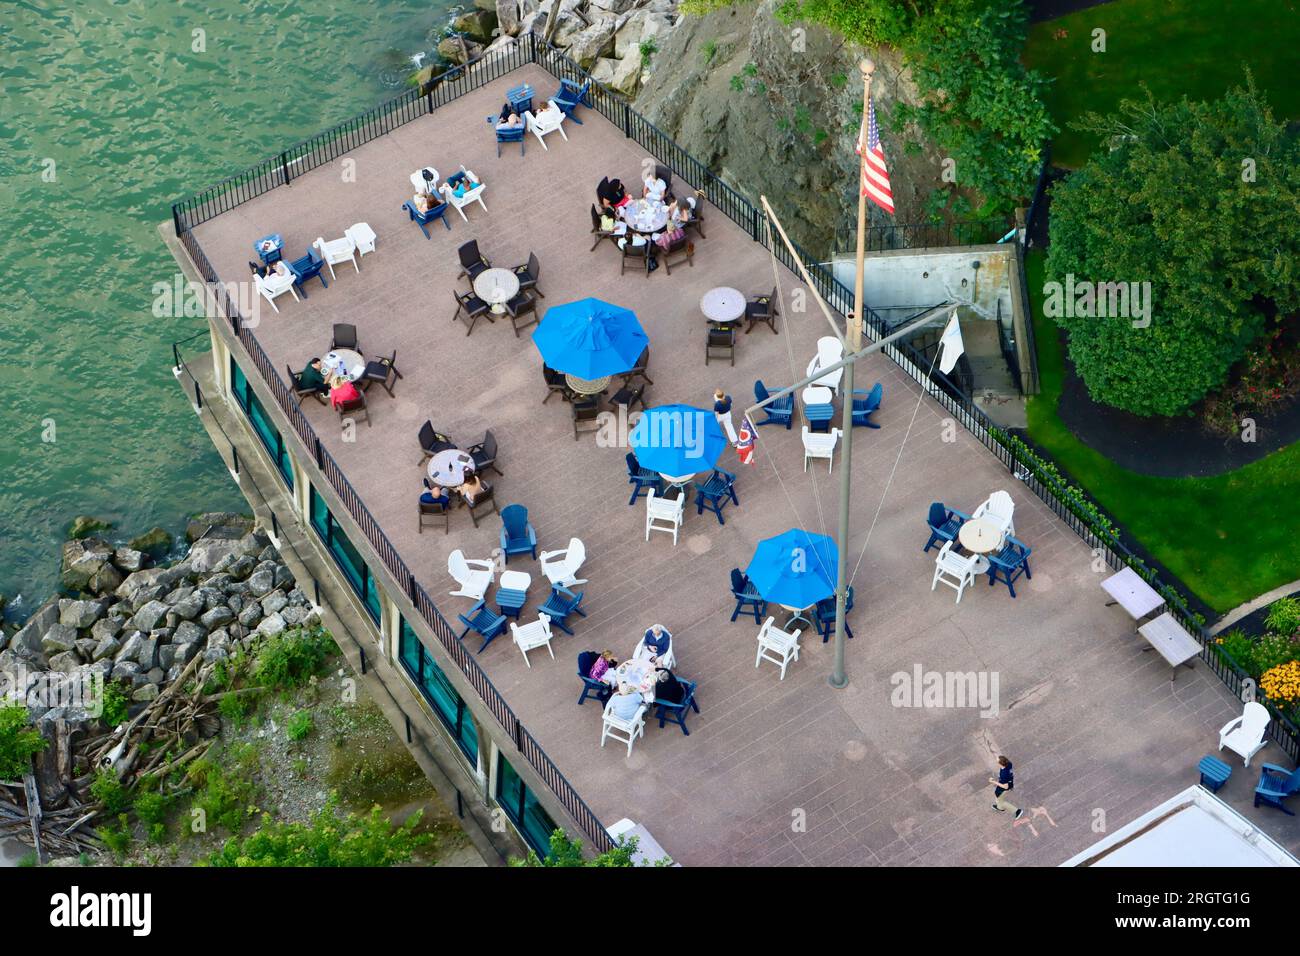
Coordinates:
x,y
117,839
300,726
108,790
737,84
710,50
1284,616
300,767
152,807
115,704
226,795
18,742
28,859
567,852
293,657
1281,684
648,48
235,707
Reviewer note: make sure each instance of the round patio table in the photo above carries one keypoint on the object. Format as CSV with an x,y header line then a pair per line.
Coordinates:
x,y
588,386
449,467
346,364
817,395
512,592
640,674
723,305
644,216
979,536
797,614
496,287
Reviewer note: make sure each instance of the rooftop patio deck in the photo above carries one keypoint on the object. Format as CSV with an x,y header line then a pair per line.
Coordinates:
x,y
1089,719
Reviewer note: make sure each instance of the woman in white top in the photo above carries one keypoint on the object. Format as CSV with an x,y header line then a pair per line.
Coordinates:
x,y
655,188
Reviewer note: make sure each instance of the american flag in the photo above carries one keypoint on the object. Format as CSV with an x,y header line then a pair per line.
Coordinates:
x,y
745,442
875,176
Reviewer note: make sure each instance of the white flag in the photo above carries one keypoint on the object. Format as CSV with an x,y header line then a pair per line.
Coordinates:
x,y
950,346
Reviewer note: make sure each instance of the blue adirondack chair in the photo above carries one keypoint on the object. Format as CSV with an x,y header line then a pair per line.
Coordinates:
x,y
424,218
825,615
640,478
308,267
1275,785
570,96
517,535
668,712
485,621
944,523
520,98
780,412
715,493
865,405
560,605
591,688
512,134
1010,563
748,600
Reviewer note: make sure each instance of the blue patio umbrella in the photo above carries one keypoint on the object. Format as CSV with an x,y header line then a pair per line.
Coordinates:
x,y
796,569
677,440
590,338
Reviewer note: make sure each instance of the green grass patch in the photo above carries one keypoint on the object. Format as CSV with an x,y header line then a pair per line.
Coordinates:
x,y
1229,538
1197,48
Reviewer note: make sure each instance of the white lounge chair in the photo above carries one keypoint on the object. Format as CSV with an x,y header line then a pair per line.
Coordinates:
x,y
1244,735
999,509
336,252
630,730
955,570
275,285
548,121
778,646
664,514
820,445
561,567
534,634
829,351
362,236
474,195
474,577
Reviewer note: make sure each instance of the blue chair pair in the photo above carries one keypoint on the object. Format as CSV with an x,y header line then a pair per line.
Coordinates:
x,y
509,134
641,479
779,412
517,535
944,523
825,615
424,218
483,620
308,267
1275,785
748,600
1009,564
865,404
570,96
591,687
715,492
560,605
675,713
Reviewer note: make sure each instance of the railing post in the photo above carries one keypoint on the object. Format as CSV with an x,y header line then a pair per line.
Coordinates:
x,y
627,120
176,219
320,458
428,99
198,395
284,167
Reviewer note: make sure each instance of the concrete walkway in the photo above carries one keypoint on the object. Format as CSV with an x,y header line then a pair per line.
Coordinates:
x,y
1253,605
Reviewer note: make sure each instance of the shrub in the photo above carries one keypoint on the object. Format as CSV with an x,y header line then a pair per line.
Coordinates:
x,y
109,791
567,852
235,707
226,796
1283,616
293,657
19,741
648,49
300,725
151,808
116,704
116,839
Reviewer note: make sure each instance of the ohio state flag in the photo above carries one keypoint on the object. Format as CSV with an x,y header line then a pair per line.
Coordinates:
x,y
745,443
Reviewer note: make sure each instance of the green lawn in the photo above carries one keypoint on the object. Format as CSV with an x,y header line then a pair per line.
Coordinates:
x,y
1228,538
1177,47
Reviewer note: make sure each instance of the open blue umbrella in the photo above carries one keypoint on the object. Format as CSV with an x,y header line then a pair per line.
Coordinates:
x,y
677,440
590,338
796,569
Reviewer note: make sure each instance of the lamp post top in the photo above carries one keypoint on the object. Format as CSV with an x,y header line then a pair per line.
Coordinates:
x,y
867,66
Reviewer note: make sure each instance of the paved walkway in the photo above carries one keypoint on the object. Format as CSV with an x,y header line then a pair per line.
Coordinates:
x,y
1253,605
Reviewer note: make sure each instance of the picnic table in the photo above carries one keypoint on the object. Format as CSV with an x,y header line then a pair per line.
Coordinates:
x,y
1167,637
1134,595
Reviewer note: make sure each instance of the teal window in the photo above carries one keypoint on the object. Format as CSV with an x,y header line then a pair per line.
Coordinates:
x,y
345,555
437,690
257,417
523,809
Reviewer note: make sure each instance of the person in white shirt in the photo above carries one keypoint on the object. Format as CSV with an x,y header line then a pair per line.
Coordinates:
x,y
655,188
625,703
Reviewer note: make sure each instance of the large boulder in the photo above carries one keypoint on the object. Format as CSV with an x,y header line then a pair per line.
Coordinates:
x,y
65,663
59,638
80,614
155,542
218,524
507,12
451,50
106,648
106,579
622,75
149,616
188,633
640,26
190,607
81,560
206,554
29,635
217,617
130,648
105,628
611,6
83,525
478,25
590,44
262,580
128,560
271,625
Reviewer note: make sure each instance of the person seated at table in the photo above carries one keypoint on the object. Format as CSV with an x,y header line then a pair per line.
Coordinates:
x,y
603,668
434,495
626,702
655,643
613,194
342,392
313,377
654,188
680,211
472,487
509,119
668,687
425,202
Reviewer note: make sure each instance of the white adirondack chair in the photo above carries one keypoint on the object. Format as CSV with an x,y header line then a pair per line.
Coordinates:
x,y
474,577
820,445
419,183
1244,735
829,351
336,252
546,122
955,570
561,567
474,195
778,646
624,731
666,659
275,284
362,236
664,514
534,634
999,509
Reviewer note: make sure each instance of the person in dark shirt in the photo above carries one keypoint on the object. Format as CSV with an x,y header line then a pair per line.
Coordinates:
x,y
313,378
1006,780
668,687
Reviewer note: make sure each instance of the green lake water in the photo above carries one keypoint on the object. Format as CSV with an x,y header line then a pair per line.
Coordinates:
x,y
109,113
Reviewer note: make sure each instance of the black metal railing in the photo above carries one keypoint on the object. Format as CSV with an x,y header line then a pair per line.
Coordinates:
x,y
1080,514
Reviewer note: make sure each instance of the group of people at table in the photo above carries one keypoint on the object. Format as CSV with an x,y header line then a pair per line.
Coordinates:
x,y
329,380
659,682
655,219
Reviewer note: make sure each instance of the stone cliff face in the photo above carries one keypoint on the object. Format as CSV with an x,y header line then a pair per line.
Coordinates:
x,y
771,109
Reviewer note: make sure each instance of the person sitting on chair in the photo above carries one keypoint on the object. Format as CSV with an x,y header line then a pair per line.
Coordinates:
x,y
508,119
625,703
603,668
656,642
342,393
472,488
313,378
668,687
435,495
655,188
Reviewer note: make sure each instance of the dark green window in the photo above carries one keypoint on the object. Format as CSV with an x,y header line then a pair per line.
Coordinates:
x,y
257,416
345,555
437,690
523,809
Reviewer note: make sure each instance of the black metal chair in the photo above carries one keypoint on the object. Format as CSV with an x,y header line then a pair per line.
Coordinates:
x,y
599,232
357,404
384,371
666,174
696,221
472,261
680,249
628,396
586,416
435,509
485,453
639,369
528,275
345,337
471,307
432,441
299,391
723,341
762,308
479,508
522,307
555,382
631,251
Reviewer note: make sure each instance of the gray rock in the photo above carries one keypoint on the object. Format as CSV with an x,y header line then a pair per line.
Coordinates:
x,y
217,582
103,668
477,24
219,639
30,634
190,607
58,638
507,12
236,587
251,614
149,616
130,648
128,560
450,49
83,525
147,657
274,602
80,561
237,631
262,580
182,654
271,625
120,611
146,692
294,614
166,656
148,577
297,597
283,576
178,594
105,648
205,555
125,670
235,602
175,672
590,44
216,654
268,553
155,541
622,75
80,614
106,627
217,617
187,632
106,579
162,634
145,595
218,525
156,675
67,662
86,648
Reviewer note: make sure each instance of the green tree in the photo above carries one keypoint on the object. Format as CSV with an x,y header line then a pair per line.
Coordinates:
x,y
1200,200
18,742
568,852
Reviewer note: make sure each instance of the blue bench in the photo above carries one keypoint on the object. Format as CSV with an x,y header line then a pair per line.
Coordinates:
x,y
1214,773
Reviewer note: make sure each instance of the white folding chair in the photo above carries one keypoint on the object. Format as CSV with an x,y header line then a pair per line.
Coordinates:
x,y
336,252
664,514
629,730
363,237
1244,735
534,634
546,122
820,445
778,646
561,567
474,577
275,284
829,351
474,195
955,570
422,185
